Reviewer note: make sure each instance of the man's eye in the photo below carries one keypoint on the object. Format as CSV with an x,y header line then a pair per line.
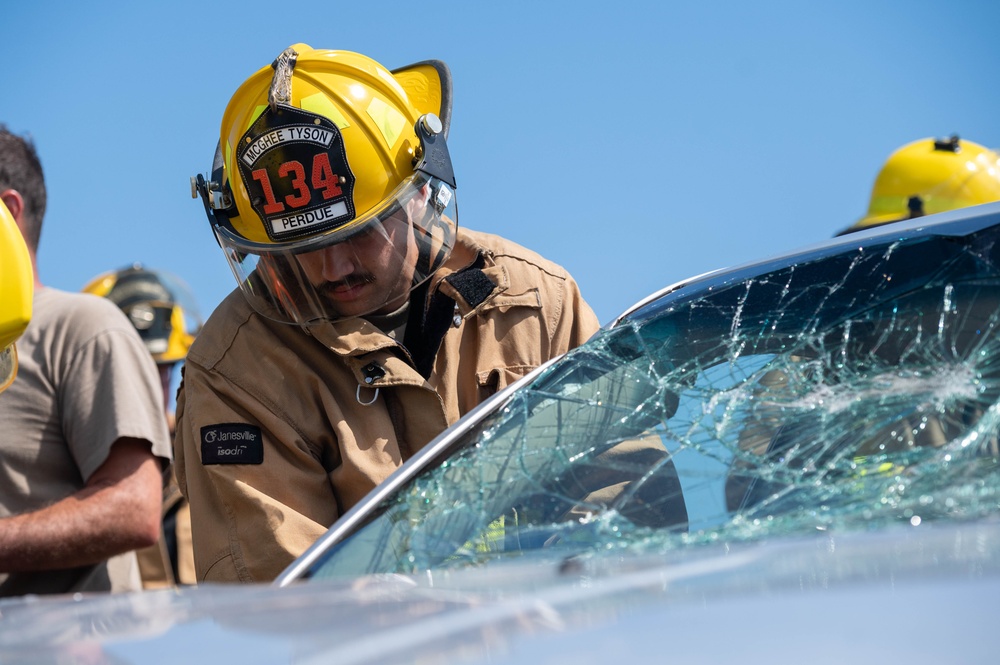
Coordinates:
x,y
367,232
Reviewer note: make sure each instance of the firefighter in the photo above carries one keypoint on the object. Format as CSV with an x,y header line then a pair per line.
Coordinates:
x,y
365,321
85,439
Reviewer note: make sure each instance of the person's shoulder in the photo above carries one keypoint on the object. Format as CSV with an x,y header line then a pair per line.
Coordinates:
x,y
82,313
71,300
504,250
231,320
65,324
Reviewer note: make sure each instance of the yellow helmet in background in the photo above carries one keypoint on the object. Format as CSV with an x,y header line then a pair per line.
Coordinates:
x,y
315,148
16,291
159,305
930,176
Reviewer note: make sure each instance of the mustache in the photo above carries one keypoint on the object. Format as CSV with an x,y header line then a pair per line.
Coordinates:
x,y
359,279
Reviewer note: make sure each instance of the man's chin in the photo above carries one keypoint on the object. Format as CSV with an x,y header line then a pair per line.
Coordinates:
x,y
346,303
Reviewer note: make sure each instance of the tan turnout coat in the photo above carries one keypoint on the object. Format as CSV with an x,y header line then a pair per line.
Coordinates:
x,y
299,395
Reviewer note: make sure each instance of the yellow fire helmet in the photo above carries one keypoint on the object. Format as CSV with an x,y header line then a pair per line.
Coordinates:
x,y
930,176
16,290
332,194
160,306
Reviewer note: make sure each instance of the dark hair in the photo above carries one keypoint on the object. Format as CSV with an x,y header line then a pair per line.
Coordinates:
x,y
21,170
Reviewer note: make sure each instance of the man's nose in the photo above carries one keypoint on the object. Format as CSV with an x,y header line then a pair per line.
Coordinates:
x,y
338,261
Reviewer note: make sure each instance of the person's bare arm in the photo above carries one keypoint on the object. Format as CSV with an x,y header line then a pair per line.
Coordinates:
x,y
117,511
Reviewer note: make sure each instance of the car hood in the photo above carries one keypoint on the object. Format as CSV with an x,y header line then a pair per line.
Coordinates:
x,y
923,594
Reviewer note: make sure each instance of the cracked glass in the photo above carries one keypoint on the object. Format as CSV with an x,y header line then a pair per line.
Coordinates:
x,y
854,388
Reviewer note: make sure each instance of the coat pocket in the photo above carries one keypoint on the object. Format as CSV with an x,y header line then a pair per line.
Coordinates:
x,y
491,381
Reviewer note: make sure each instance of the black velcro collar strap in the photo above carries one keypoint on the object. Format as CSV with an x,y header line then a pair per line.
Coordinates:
x,y
472,284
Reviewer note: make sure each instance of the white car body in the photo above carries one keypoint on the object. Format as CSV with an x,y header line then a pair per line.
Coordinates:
x,y
850,586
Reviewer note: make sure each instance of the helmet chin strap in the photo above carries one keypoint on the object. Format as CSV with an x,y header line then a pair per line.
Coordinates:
x,y
432,252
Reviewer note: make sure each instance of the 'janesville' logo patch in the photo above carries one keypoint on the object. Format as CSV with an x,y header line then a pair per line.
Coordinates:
x,y
231,443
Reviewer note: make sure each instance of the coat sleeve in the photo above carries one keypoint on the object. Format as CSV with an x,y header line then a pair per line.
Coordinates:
x,y
574,320
249,520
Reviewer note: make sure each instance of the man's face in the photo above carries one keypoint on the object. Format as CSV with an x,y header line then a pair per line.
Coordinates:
x,y
371,272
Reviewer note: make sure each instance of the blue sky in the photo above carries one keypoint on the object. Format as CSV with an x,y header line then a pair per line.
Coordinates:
x,y
635,143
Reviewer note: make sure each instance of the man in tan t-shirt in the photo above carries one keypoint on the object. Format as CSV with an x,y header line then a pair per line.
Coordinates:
x,y
84,434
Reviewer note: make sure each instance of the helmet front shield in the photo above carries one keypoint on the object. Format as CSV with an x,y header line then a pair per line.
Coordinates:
x,y
160,306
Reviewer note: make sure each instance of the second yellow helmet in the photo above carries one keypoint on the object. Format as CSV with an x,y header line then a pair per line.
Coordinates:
x,y
930,176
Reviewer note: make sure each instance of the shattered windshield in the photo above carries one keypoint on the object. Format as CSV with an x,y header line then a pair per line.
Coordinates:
x,y
853,390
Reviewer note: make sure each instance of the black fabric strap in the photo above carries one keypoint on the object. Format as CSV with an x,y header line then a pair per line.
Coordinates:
x,y
472,283
426,327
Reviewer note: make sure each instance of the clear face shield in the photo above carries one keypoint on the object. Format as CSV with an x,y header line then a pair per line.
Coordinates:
x,y
370,268
161,308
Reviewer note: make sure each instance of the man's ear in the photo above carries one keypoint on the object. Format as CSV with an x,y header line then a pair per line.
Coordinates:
x,y
15,204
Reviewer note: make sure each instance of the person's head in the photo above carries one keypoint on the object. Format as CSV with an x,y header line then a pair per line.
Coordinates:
x,y
16,289
930,176
332,192
22,185
160,306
